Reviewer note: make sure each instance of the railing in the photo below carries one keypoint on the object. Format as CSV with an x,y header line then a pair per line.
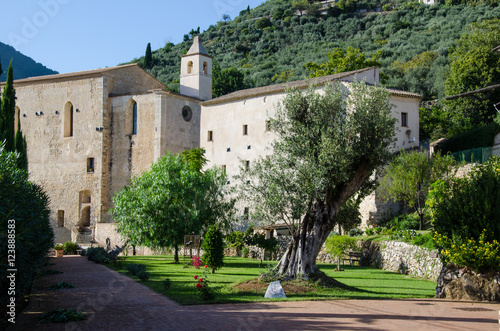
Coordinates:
x,y
475,155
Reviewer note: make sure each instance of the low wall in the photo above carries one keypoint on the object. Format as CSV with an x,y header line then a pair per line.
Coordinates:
x,y
397,257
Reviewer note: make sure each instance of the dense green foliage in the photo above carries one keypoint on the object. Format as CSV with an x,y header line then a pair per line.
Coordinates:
x,y
172,200
235,239
409,176
70,247
464,207
25,66
225,81
327,148
474,66
413,41
213,247
30,232
340,61
479,137
466,217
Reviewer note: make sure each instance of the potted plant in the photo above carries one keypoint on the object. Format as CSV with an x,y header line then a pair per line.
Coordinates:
x,y
59,250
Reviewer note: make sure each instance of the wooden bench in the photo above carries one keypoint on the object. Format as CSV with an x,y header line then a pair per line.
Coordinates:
x,y
353,257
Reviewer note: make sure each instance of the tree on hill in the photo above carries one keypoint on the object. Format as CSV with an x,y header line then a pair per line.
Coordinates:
x,y
474,66
300,5
338,61
173,199
148,57
327,149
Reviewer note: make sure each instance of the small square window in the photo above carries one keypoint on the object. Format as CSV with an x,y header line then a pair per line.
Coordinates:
x,y
210,136
245,130
247,165
404,119
90,164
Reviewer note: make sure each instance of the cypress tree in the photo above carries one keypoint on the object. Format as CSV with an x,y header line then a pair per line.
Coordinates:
x,y
8,110
148,58
20,145
1,112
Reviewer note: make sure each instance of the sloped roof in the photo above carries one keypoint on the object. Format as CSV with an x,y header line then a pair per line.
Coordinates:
x,y
299,84
71,75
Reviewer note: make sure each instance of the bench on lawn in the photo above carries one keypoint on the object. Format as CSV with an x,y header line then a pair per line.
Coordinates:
x,y
353,257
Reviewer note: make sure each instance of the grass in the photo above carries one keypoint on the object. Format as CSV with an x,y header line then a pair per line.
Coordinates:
x,y
357,282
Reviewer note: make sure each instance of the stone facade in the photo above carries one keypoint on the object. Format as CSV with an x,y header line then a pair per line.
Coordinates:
x,y
89,133
84,144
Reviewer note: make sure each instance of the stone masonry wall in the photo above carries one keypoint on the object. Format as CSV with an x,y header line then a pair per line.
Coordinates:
x,y
397,257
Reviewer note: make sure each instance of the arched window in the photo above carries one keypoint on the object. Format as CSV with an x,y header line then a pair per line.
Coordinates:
x,y
190,67
134,119
68,120
131,117
205,68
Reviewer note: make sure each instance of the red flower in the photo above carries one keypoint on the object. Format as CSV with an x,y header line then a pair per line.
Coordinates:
x,y
199,285
196,277
201,279
206,266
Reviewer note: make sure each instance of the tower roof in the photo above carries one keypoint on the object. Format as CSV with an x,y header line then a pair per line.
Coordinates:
x,y
197,47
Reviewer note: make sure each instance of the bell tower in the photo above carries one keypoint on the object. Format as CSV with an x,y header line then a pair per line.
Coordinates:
x,y
196,72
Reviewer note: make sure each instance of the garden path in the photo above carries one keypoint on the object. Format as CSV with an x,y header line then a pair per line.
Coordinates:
x,y
116,302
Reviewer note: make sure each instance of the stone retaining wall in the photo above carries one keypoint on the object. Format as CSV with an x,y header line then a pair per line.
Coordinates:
x,y
460,283
397,257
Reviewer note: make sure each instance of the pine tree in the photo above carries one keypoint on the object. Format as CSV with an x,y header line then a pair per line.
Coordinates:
x,y
148,58
8,110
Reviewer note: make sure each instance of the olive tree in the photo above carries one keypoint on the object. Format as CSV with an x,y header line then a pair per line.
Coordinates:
x,y
328,148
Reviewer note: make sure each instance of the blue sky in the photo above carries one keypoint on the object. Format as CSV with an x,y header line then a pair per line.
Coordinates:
x,y
76,35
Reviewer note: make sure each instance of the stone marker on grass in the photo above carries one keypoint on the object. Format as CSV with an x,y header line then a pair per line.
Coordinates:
x,y
275,290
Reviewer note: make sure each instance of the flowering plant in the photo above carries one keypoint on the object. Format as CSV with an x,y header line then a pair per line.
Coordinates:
x,y
479,255
203,287
196,262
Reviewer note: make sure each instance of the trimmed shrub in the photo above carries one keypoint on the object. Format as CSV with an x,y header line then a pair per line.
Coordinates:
x,y
213,246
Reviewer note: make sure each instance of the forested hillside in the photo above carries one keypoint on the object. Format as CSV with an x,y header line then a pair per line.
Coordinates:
x,y
271,43
24,66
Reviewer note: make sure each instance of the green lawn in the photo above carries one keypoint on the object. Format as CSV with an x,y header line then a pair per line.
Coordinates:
x,y
359,282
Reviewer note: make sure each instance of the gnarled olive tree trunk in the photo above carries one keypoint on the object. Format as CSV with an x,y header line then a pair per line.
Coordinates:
x,y
300,256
